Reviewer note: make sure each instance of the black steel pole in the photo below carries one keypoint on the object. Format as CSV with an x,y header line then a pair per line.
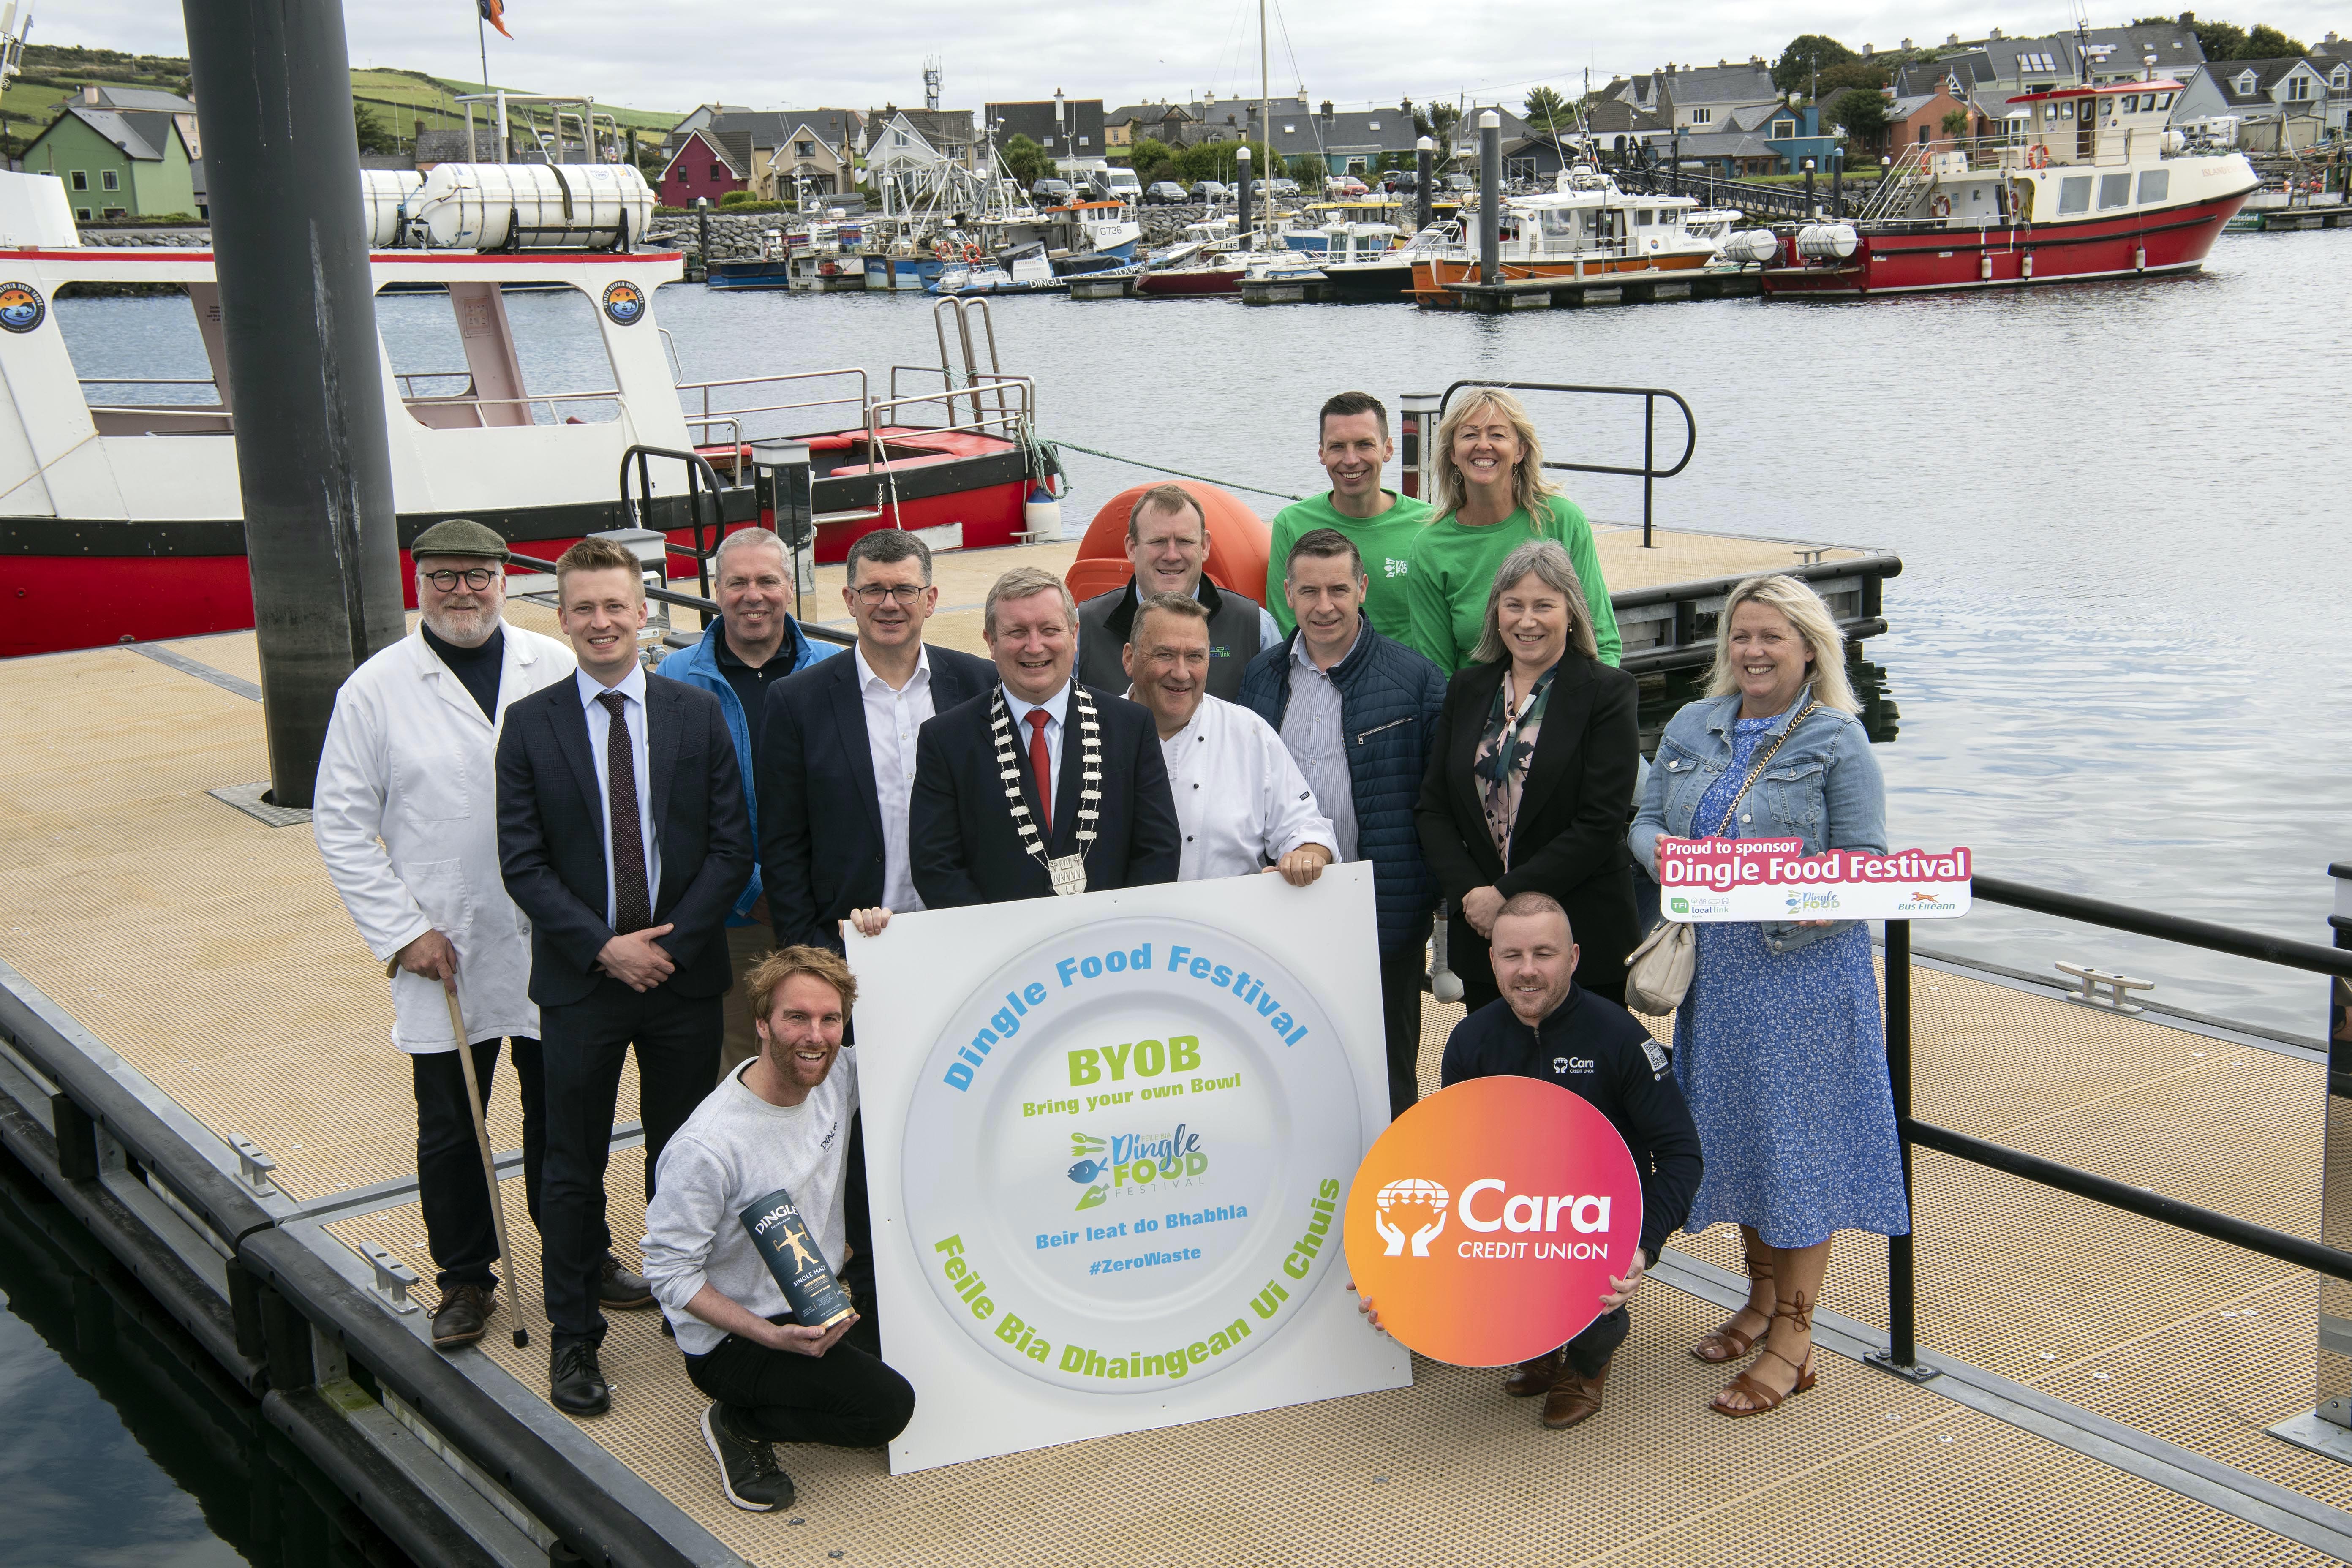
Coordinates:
x,y
1902,1354
1837,182
298,315
1242,195
1490,198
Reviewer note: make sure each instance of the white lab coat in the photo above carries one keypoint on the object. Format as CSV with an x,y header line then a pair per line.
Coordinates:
x,y
406,815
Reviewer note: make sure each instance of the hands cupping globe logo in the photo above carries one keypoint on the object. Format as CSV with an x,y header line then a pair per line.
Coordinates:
x,y
1410,1201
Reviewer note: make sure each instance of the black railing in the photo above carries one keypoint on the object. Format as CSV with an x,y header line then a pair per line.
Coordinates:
x,y
705,506
1902,1355
1649,473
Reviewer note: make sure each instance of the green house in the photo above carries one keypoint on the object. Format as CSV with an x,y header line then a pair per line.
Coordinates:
x,y
122,153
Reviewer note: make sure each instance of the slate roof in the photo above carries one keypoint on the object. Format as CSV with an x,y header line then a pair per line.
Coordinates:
x,y
2056,56
141,136
2267,74
137,100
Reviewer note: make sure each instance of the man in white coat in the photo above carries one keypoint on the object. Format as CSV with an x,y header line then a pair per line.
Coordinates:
x,y
405,813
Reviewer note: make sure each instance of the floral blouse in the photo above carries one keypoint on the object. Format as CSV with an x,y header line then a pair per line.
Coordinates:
x,y
1505,748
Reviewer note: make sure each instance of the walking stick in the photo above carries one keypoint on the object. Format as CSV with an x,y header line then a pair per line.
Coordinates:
x,y
489,1162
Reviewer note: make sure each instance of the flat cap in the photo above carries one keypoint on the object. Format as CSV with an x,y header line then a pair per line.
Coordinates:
x,y
460,536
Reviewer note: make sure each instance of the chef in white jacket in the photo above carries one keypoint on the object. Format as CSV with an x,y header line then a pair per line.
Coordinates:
x,y
405,813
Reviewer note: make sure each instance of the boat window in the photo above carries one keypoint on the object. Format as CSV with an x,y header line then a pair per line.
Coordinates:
x,y
2154,185
1641,218
2050,114
2074,194
474,354
2130,106
2115,190
150,364
2164,100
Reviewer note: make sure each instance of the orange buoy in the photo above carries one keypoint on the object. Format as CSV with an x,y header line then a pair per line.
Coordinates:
x,y
1238,542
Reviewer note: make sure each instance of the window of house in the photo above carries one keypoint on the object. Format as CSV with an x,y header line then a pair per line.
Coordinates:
x,y
2115,190
804,149
1083,142
718,170
1923,136
80,180
1375,125
2075,194
2340,77
110,212
83,214
2154,185
2298,89
1702,116
109,180
1783,128
485,356
1287,130
2245,82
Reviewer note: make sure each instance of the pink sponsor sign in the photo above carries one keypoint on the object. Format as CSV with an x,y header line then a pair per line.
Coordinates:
x,y
1775,879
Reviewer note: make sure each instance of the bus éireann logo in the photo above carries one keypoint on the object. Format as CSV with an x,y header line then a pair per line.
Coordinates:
x,y
22,309
624,303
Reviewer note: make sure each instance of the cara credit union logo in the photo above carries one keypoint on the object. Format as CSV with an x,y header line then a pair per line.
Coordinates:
x,y
1486,1223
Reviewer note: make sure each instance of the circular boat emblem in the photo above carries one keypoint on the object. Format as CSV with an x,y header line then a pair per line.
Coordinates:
x,y
22,309
624,304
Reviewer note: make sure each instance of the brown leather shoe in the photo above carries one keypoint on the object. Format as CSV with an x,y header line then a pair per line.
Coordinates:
x,y
1574,1398
462,1316
1530,1378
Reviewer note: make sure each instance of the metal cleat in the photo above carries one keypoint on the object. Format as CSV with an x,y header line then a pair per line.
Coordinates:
x,y
253,1163
2105,991
393,1278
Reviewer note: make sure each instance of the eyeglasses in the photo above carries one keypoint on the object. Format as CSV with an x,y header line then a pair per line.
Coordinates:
x,y
476,577
903,595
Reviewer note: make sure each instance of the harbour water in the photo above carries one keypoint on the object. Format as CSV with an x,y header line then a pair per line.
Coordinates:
x,y
2120,508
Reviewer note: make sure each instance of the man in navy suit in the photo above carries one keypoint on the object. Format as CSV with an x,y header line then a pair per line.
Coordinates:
x,y
622,835
1038,785
836,757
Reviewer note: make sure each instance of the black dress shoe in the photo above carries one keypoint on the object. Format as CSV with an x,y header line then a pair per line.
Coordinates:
x,y
459,1320
576,1384
618,1288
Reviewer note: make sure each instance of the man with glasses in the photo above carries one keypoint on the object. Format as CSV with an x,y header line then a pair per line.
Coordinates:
x,y
745,653
406,820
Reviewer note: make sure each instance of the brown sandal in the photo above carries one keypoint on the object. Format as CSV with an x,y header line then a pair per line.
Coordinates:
x,y
1727,1343
1765,1398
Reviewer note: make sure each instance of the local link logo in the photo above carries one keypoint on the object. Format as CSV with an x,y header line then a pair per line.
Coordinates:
x,y
1425,1205
1134,1160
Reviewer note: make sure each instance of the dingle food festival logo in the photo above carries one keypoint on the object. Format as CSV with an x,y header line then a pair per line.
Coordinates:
x,y
1135,1163
624,303
22,309
1414,1201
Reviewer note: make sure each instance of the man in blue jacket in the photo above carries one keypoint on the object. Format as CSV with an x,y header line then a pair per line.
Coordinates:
x,y
753,643
1356,710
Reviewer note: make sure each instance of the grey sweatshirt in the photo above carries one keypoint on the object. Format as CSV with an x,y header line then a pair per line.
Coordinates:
x,y
733,1150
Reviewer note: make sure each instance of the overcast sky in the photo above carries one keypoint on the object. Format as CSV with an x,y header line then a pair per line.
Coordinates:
x,y
663,54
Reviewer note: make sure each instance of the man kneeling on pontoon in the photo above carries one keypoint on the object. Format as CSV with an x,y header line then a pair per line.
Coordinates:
x,y
773,1135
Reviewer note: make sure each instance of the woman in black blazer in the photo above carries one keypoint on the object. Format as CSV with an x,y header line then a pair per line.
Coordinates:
x,y
1530,777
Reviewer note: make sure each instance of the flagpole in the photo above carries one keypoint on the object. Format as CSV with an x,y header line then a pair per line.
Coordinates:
x,y
482,37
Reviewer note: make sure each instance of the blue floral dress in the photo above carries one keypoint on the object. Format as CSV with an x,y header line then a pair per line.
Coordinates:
x,y
1782,1056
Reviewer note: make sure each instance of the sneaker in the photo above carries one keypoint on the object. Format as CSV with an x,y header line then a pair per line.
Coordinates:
x,y
464,1312
618,1288
749,1476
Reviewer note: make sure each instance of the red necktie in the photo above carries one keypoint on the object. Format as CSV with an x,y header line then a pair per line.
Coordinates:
x,y
1041,765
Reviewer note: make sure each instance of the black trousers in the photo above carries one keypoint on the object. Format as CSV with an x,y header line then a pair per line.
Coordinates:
x,y
1400,991
677,1040
848,1396
449,1184
1590,1351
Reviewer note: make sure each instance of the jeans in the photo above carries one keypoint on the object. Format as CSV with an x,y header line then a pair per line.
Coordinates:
x,y
449,1184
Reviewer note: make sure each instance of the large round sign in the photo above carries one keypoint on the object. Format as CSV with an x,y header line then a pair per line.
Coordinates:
x,y
1487,1221
1126,1159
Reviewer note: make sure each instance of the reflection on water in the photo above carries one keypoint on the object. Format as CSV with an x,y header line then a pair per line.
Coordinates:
x,y
122,1445
1663,697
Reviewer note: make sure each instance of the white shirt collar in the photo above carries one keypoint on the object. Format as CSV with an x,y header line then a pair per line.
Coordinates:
x,y
867,677
631,686
1304,661
1057,707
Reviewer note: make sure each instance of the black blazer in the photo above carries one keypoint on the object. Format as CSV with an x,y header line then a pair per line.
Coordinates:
x,y
552,835
960,839
1569,838
815,774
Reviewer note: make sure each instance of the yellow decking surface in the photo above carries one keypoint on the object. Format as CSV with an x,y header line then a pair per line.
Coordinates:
x,y
211,952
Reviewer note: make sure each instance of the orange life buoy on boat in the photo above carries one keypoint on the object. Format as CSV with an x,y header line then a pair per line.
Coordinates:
x,y
970,251
2037,156
1942,206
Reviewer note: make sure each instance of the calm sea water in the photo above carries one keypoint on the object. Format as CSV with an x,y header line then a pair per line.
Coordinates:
x,y
2120,509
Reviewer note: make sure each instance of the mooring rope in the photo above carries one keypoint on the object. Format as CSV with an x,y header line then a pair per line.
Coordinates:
x,y
1180,473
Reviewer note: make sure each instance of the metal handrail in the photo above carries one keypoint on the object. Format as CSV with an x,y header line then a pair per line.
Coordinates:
x,y
707,387
149,381
876,455
1649,473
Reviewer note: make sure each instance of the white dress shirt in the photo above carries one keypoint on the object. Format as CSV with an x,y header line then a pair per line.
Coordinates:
x,y
1314,728
1240,800
891,720
600,729
1055,707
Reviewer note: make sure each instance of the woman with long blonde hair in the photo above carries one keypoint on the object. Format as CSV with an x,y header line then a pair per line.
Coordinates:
x,y
1491,497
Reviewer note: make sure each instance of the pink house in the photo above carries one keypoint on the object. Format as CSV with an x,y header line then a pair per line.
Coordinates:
x,y
700,167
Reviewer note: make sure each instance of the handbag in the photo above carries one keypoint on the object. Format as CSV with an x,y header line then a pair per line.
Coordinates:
x,y
1658,972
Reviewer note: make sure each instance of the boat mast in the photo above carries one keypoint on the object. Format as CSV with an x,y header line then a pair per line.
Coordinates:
x,y
1265,122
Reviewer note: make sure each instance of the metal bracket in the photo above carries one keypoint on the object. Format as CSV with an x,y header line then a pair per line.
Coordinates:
x,y
2105,991
393,1278
1811,555
1915,1372
253,1163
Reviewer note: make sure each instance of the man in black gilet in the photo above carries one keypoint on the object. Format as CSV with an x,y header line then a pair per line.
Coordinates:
x,y
1167,543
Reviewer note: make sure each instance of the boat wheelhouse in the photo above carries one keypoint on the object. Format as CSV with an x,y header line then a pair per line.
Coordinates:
x,y
2090,183
1585,226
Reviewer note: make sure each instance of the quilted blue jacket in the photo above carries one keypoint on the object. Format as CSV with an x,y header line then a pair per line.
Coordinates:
x,y
1388,700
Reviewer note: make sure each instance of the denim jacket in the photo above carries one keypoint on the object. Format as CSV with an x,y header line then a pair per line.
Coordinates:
x,y
1822,786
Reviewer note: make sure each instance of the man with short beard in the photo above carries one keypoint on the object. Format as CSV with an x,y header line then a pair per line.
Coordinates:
x,y
406,820
778,1123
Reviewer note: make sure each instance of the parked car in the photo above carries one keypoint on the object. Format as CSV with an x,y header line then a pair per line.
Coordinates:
x,y
1284,188
1052,193
1400,182
1460,183
1213,193
1165,194
1345,186
1115,185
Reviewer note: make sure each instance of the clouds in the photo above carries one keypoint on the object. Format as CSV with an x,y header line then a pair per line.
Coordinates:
x,y
670,55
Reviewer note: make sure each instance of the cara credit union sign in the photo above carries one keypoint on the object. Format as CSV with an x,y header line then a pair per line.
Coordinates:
x,y
1109,1142
1775,879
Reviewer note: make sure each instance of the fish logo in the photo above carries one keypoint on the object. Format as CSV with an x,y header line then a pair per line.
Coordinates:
x,y
22,309
624,304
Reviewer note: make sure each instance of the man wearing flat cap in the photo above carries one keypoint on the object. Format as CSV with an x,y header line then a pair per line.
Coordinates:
x,y
406,819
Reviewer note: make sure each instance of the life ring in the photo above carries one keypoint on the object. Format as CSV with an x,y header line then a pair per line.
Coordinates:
x,y
942,251
970,251
2037,156
1942,206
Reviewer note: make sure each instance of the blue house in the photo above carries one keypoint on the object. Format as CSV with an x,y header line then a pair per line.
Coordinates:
x,y
1795,134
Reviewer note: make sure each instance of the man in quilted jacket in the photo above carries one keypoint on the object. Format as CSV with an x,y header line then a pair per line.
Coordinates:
x,y
1356,710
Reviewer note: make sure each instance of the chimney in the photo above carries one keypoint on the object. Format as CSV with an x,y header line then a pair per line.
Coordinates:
x,y
90,92
1867,51
1327,112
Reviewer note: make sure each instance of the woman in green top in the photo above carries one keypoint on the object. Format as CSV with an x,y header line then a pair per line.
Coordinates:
x,y
1491,497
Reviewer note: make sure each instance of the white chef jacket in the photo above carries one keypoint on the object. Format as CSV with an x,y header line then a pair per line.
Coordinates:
x,y
405,816
1241,801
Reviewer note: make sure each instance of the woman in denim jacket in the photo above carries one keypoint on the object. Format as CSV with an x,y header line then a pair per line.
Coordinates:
x,y
1779,1047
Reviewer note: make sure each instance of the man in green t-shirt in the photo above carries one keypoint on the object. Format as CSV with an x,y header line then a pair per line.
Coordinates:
x,y
1353,446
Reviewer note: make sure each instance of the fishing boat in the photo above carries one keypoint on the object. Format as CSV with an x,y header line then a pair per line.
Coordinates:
x,y
2093,185
1021,269
1365,272
1585,226
121,515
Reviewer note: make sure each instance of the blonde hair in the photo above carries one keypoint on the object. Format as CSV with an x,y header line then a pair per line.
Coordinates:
x,y
1812,620
1026,583
1546,560
1528,482
768,976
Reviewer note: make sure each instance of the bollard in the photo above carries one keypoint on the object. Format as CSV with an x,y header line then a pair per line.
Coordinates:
x,y
1837,182
703,227
1424,163
1242,193
1811,215
1490,198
